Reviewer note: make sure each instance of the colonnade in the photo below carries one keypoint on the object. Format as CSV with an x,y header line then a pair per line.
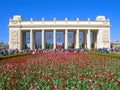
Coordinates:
x,y
86,39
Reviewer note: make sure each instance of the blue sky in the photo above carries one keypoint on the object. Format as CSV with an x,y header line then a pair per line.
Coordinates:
x,y
59,9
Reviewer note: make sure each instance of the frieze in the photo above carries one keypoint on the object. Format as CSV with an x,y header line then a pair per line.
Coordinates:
x,y
14,39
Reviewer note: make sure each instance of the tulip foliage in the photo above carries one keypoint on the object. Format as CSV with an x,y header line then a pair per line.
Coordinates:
x,y
60,71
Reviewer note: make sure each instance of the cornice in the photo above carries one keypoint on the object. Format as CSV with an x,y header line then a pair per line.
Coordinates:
x,y
43,26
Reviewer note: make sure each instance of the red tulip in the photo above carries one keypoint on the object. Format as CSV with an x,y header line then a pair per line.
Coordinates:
x,y
118,84
105,79
74,85
99,85
8,88
32,85
54,87
89,84
90,79
63,85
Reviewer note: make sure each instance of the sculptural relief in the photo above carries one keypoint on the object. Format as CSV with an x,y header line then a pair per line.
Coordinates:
x,y
14,36
14,33
105,36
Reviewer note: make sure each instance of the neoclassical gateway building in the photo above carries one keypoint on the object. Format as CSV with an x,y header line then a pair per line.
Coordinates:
x,y
100,29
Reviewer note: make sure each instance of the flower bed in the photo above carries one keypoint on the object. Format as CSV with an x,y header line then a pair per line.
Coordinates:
x,y
12,55
59,71
113,55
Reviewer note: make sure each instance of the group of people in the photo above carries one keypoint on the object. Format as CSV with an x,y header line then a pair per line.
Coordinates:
x,y
59,50
3,51
9,51
16,51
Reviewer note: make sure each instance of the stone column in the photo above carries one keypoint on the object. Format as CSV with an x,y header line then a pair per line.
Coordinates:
x,y
77,39
43,39
66,39
99,39
54,39
88,39
31,39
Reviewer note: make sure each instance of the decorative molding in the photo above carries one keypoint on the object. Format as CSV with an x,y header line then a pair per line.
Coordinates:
x,y
105,36
55,25
14,22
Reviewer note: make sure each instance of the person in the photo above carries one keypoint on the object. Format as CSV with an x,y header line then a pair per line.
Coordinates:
x,y
108,49
33,52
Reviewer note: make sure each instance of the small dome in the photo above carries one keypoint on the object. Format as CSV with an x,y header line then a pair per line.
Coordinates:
x,y
17,17
100,18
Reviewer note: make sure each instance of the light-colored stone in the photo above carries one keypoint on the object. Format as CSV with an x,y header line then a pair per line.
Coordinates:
x,y
77,39
43,39
31,39
66,39
88,39
54,39
17,28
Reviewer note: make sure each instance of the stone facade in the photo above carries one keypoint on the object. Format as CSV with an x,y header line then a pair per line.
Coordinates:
x,y
100,29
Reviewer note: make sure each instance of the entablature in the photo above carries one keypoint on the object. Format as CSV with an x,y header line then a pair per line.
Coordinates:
x,y
100,21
